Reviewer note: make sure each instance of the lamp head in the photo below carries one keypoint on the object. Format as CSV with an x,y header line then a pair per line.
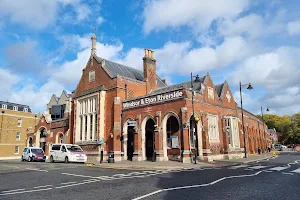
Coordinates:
x,y
268,110
249,87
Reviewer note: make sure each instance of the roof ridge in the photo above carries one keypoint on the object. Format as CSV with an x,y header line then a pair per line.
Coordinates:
x,y
5,102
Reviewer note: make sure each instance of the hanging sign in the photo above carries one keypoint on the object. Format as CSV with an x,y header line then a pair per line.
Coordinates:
x,y
131,123
153,99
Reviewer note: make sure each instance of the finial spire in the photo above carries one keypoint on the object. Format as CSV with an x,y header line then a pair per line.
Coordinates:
x,y
94,38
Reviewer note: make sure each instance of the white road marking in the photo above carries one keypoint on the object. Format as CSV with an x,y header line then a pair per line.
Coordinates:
x,y
40,170
64,186
296,170
68,183
78,175
258,167
28,191
43,186
13,190
287,173
194,186
278,168
238,166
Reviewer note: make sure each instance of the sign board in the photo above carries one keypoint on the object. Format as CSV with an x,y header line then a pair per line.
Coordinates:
x,y
101,141
131,123
174,141
159,98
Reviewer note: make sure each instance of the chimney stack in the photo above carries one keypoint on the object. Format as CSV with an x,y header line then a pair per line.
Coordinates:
x,y
149,70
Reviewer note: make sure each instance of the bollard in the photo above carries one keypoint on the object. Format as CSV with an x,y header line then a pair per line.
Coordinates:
x,y
101,156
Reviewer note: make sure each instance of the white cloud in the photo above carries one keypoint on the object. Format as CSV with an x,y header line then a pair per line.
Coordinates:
x,y
161,14
100,20
294,27
28,11
7,80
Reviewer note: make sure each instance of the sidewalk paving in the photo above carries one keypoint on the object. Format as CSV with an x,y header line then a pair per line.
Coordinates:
x,y
175,165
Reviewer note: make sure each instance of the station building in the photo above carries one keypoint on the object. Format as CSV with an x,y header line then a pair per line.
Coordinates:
x,y
137,116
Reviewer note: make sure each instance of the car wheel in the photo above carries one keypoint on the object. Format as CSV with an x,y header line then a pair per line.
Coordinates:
x,y
22,159
30,159
51,159
66,159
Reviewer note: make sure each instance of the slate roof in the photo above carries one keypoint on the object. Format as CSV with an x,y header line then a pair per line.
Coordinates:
x,y
10,106
113,69
219,88
186,84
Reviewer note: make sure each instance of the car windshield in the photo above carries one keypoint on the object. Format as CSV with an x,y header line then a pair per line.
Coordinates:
x,y
74,148
37,150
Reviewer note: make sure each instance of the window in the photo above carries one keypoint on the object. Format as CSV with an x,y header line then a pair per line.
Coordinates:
x,y
213,128
56,147
192,134
210,93
19,122
91,76
4,106
16,149
91,127
96,126
25,109
18,136
15,108
25,149
81,121
232,130
85,128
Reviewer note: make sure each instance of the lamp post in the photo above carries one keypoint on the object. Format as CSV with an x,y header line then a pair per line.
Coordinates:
x,y
197,79
262,116
249,87
1,124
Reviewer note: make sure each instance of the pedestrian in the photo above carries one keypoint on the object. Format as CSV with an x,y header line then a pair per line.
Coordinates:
x,y
259,150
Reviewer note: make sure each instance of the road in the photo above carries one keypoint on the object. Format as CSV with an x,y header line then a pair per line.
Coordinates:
x,y
274,179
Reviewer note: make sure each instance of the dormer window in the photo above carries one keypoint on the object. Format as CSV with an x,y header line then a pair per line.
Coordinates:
x,y
210,93
15,108
4,106
25,109
91,76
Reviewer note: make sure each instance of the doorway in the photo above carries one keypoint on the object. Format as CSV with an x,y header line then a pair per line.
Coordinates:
x,y
130,142
150,140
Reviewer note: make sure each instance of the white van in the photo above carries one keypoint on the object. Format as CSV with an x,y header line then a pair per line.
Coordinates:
x,y
67,153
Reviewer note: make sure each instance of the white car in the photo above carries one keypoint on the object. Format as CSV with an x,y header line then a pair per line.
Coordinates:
x,y
33,154
67,153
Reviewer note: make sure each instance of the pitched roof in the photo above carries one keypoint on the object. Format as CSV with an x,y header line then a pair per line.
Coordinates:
x,y
113,69
186,84
10,106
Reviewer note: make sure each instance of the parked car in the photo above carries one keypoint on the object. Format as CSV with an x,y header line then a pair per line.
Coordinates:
x,y
67,153
33,154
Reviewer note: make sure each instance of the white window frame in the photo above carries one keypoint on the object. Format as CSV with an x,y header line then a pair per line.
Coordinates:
x,y
4,106
18,136
210,92
19,124
234,132
18,149
25,109
213,128
92,76
15,108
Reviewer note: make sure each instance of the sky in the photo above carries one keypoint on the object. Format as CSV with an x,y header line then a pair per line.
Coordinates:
x,y
44,45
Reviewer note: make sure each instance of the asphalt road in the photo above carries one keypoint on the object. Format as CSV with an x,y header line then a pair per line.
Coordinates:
x,y
274,179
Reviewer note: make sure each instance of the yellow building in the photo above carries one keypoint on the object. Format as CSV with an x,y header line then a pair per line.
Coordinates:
x,y
15,122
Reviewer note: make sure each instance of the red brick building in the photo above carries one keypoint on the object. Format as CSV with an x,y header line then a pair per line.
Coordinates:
x,y
138,115
53,125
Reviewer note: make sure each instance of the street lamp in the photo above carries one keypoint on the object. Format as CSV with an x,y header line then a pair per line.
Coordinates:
x,y
249,87
197,79
262,116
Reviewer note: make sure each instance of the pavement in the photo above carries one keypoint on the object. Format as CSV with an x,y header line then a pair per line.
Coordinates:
x,y
272,178
166,165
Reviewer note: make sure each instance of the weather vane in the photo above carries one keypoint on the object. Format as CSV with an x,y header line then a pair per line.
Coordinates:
x,y
94,29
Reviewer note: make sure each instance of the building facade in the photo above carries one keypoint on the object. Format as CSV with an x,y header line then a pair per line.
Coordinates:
x,y
16,121
137,116
53,125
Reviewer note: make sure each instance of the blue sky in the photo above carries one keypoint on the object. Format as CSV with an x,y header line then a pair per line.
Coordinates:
x,y
45,44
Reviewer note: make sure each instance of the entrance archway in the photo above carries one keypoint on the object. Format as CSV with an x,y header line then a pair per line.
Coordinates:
x,y
43,136
29,142
173,138
150,141
130,142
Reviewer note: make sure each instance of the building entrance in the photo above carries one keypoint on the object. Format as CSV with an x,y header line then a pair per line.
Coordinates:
x,y
130,142
150,140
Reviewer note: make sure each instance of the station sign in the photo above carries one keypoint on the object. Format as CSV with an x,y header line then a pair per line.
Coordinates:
x,y
149,100
131,123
